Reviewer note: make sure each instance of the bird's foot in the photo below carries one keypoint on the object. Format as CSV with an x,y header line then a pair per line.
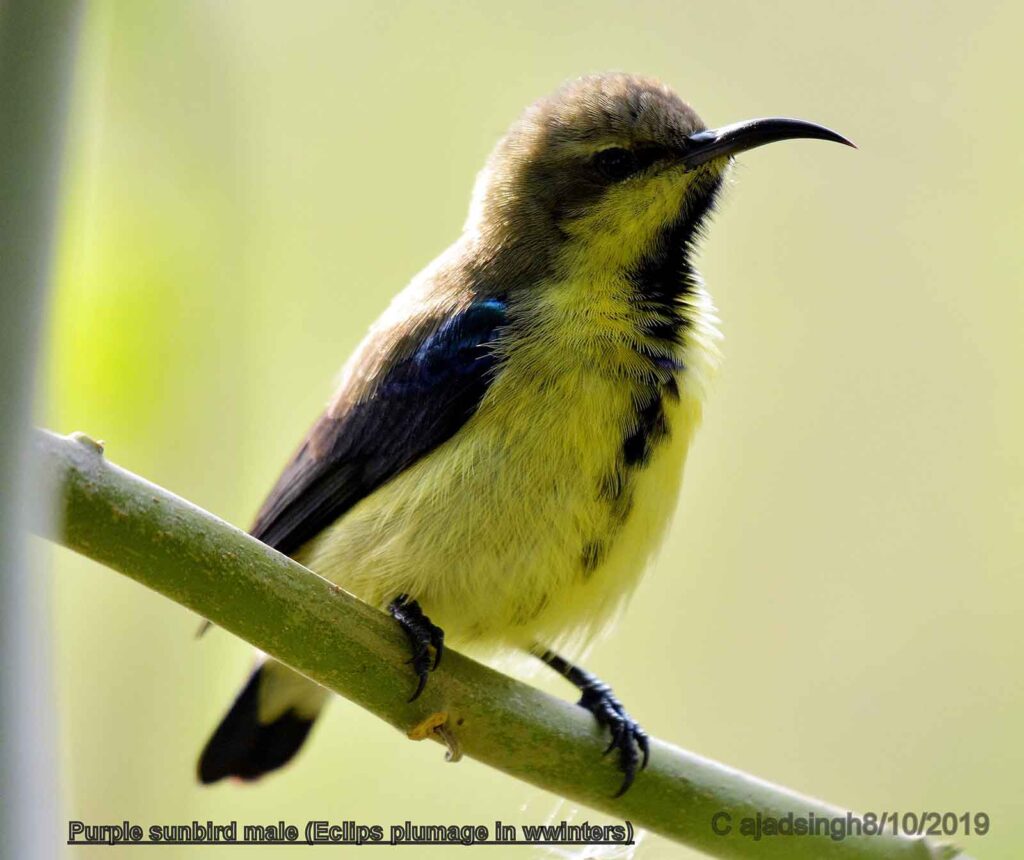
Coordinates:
x,y
627,737
423,635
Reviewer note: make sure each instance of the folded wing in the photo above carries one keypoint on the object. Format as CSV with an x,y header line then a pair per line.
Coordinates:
x,y
423,394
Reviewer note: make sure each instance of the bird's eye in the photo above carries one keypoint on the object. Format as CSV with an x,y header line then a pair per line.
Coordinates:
x,y
615,163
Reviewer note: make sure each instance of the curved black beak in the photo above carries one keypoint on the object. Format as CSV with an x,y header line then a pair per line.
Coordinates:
x,y
741,136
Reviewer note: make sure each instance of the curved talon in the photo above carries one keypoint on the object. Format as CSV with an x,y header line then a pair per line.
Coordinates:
x,y
422,633
645,745
420,685
626,782
597,697
628,738
437,640
616,730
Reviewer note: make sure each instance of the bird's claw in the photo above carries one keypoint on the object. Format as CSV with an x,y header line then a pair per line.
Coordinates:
x,y
627,737
423,635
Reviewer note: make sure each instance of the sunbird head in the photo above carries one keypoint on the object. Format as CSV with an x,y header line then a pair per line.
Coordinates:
x,y
608,162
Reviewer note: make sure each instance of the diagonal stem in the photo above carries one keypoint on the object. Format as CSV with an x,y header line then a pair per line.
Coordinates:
x,y
225,575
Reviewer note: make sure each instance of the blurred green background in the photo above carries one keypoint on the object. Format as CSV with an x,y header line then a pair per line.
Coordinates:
x,y
838,606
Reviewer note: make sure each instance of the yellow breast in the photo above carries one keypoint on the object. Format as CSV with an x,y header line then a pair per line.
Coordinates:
x,y
530,525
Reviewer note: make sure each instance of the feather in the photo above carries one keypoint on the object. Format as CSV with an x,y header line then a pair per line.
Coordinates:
x,y
420,402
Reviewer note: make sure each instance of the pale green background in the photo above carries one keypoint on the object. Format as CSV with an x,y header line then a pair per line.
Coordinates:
x,y
838,606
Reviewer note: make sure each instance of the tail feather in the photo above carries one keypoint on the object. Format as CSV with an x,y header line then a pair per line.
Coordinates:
x,y
246,746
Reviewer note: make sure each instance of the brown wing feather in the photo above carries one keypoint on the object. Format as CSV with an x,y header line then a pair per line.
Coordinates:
x,y
397,405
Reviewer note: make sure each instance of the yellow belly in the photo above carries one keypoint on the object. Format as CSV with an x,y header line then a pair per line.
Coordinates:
x,y
506,534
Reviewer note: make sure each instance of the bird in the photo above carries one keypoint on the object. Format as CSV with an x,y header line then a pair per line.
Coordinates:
x,y
505,447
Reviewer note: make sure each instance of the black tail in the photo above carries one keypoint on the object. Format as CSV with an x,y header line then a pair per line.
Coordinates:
x,y
242,746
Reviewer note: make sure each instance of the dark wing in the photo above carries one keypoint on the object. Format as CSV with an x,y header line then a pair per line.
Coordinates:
x,y
419,402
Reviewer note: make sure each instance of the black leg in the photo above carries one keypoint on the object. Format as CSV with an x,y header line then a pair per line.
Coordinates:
x,y
422,633
627,736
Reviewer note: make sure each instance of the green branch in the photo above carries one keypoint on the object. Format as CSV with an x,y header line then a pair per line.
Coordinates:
x,y
314,626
